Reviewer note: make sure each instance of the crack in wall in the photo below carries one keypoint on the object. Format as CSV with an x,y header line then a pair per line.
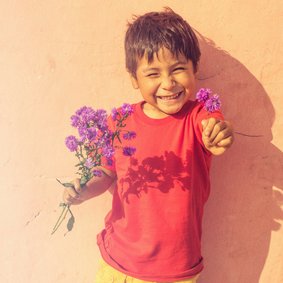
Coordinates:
x,y
33,218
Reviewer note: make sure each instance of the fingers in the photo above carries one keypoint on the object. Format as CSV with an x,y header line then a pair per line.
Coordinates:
x,y
68,198
71,195
226,142
223,136
211,127
217,133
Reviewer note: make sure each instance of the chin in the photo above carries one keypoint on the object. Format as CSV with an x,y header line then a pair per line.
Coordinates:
x,y
175,109
172,112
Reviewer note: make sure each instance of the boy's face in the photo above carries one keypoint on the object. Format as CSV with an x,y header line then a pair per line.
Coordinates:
x,y
166,84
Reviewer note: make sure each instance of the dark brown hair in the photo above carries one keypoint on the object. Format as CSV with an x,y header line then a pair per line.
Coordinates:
x,y
154,30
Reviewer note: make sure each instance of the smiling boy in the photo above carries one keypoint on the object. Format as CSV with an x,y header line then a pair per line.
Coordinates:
x,y
166,84
153,232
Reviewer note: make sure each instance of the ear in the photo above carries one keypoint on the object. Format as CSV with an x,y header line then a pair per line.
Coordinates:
x,y
134,81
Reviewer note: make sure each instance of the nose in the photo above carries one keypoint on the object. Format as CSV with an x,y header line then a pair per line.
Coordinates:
x,y
167,82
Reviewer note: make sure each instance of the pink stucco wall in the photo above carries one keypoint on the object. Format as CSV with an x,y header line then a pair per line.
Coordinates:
x,y
56,56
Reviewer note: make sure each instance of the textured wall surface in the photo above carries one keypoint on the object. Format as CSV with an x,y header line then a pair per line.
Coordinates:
x,y
56,56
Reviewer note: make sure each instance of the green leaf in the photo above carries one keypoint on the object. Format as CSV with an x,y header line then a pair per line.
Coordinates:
x,y
70,224
79,164
67,185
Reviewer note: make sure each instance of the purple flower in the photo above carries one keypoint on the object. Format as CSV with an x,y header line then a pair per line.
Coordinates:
x,y
203,94
109,161
71,143
100,119
81,110
91,133
87,116
129,135
127,109
89,163
129,150
114,114
82,139
213,103
83,132
108,151
100,115
104,140
75,121
97,173
84,117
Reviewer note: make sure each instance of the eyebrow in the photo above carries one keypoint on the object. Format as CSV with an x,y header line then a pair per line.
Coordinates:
x,y
150,69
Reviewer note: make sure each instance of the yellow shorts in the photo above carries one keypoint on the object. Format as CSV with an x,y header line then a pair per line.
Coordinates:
x,y
107,274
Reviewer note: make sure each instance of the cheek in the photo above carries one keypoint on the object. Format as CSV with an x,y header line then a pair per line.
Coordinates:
x,y
190,89
149,88
190,84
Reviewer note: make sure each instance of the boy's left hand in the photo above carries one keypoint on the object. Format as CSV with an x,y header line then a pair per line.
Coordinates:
x,y
217,135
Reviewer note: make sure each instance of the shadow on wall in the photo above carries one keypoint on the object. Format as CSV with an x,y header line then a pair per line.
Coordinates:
x,y
243,208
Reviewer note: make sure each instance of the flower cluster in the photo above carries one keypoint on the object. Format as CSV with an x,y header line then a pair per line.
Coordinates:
x,y
95,144
124,111
211,102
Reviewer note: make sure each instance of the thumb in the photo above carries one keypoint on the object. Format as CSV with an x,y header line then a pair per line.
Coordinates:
x,y
77,185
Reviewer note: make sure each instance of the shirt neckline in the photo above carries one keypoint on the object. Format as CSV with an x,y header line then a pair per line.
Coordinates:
x,y
155,121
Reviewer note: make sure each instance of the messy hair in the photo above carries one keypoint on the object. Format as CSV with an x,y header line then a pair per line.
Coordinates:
x,y
155,30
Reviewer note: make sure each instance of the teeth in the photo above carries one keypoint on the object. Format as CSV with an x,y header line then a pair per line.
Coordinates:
x,y
169,97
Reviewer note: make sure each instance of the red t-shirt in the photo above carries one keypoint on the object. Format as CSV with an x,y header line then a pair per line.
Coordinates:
x,y
153,231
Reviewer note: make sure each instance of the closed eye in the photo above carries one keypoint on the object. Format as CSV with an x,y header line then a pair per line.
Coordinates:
x,y
178,69
152,75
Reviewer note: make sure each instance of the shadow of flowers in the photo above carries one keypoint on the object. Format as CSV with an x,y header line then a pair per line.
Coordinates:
x,y
160,172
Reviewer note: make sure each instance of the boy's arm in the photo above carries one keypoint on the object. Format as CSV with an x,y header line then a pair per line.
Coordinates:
x,y
94,187
217,135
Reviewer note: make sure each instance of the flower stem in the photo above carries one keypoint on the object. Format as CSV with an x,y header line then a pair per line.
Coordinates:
x,y
66,208
246,135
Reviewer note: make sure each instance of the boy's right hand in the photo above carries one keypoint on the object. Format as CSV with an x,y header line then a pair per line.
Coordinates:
x,y
73,195
77,194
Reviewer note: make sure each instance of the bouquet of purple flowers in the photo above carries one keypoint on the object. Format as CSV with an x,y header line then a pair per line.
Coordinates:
x,y
94,145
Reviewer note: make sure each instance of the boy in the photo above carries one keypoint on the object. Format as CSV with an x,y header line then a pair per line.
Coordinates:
x,y
153,232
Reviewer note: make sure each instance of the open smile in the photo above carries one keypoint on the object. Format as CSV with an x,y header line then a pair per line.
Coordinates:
x,y
170,97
